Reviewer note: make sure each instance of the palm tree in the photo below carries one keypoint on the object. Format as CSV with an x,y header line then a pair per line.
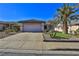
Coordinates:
x,y
66,11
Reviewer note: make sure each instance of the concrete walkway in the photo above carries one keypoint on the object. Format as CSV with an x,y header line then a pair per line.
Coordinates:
x,y
32,44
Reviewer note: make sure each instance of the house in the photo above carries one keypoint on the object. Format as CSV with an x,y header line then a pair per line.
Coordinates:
x,y
2,25
49,26
59,27
71,28
32,25
7,25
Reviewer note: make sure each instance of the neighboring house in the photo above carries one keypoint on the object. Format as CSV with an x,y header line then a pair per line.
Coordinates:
x,y
32,25
2,25
7,25
71,28
59,28
49,26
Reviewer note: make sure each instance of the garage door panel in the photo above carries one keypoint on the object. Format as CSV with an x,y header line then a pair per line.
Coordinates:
x,y
33,27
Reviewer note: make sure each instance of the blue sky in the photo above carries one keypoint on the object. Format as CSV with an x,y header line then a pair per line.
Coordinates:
x,y
24,11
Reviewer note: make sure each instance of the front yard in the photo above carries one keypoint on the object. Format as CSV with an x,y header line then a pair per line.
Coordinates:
x,y
60,35
6,33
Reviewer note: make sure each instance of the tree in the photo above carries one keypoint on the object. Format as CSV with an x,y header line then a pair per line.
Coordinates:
x,y
66,11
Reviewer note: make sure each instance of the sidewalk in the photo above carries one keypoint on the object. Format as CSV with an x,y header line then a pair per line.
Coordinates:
x,y
13,52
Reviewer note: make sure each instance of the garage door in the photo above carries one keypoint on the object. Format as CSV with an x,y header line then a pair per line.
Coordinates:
x,y
32,27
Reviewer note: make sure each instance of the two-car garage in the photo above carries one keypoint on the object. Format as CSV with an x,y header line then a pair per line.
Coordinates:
x,y
32,26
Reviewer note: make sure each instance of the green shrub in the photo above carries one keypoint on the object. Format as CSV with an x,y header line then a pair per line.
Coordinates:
x,y
9,30
59,35
77,31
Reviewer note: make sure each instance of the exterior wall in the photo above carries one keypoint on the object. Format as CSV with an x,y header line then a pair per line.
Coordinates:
x,y
75,27
59,29
72,28
21,26
1,26
42,26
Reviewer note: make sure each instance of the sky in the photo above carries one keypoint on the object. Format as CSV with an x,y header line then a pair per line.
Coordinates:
x,y
25,11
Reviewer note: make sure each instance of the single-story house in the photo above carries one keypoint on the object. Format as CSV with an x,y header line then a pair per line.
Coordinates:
x,y
2,25
7,25
32,25
71,28
59,28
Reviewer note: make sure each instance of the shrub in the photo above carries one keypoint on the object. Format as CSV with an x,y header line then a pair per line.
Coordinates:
x,y
10,30
77,30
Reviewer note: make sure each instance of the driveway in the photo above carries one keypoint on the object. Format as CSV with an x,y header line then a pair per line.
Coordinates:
x,y
32,44
22,41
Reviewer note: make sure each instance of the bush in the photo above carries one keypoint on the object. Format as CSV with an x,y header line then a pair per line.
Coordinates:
x,y
1,30
9,30
59,35
77,31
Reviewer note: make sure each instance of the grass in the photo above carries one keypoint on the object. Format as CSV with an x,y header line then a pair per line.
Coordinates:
x,y
60,35
77,36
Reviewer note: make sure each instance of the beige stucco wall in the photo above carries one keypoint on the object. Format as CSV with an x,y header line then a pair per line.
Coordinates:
x,y
70,28
58,29
42,26
74,28
21,26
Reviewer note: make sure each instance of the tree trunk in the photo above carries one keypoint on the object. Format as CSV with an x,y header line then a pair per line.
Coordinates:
x,y
65,27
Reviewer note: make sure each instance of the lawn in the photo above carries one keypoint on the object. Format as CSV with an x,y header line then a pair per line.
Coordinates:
x,y
60,35
77,36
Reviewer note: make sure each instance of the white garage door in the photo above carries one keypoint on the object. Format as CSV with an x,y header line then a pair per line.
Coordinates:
x,y
32,27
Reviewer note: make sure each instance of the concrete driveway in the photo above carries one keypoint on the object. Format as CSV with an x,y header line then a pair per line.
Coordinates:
x,y
32,44
22,41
